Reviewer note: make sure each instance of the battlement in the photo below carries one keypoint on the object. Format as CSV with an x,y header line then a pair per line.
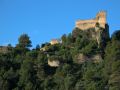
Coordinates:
x,y
86,24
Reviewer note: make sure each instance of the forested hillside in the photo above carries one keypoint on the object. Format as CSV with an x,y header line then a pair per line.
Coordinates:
x,y
82,64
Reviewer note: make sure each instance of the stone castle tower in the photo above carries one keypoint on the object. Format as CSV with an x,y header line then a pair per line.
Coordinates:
x,y
97,27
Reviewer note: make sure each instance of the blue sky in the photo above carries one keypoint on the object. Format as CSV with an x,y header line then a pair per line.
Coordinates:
x,y
44,20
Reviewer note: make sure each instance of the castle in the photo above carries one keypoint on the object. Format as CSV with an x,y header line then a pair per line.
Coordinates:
x,y
86,24
97,28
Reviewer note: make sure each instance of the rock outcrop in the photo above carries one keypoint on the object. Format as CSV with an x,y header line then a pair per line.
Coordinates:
x,y
53,63
81,58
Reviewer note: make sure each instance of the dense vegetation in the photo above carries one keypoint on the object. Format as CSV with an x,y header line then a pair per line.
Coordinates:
x,y
24,69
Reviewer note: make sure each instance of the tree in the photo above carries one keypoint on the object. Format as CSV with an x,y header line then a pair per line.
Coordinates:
x,y
112,63
116,35
38,47
69,39
27,75
64,38
24,41
77,33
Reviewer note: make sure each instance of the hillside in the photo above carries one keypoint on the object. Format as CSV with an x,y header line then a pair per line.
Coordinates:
x,y
78,61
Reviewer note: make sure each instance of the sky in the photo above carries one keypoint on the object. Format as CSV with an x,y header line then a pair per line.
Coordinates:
x,y
44,20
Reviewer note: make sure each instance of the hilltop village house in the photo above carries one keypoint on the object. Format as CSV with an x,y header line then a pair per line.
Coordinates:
x,y
54,41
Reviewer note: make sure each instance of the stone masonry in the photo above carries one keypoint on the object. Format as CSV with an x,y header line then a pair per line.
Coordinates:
x,y
86,24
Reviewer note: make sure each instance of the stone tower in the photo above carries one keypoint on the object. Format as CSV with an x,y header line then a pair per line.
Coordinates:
x,y
101,19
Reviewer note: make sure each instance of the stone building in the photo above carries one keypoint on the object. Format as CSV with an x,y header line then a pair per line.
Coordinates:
x,y
97,27
86,24
54,41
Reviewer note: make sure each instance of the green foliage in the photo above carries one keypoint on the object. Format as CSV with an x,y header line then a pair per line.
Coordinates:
x,y
116,35
24,41
90,48
112,61
64,38
25,69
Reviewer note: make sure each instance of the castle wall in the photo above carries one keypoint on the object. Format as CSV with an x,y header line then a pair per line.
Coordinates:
x,y
86,24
